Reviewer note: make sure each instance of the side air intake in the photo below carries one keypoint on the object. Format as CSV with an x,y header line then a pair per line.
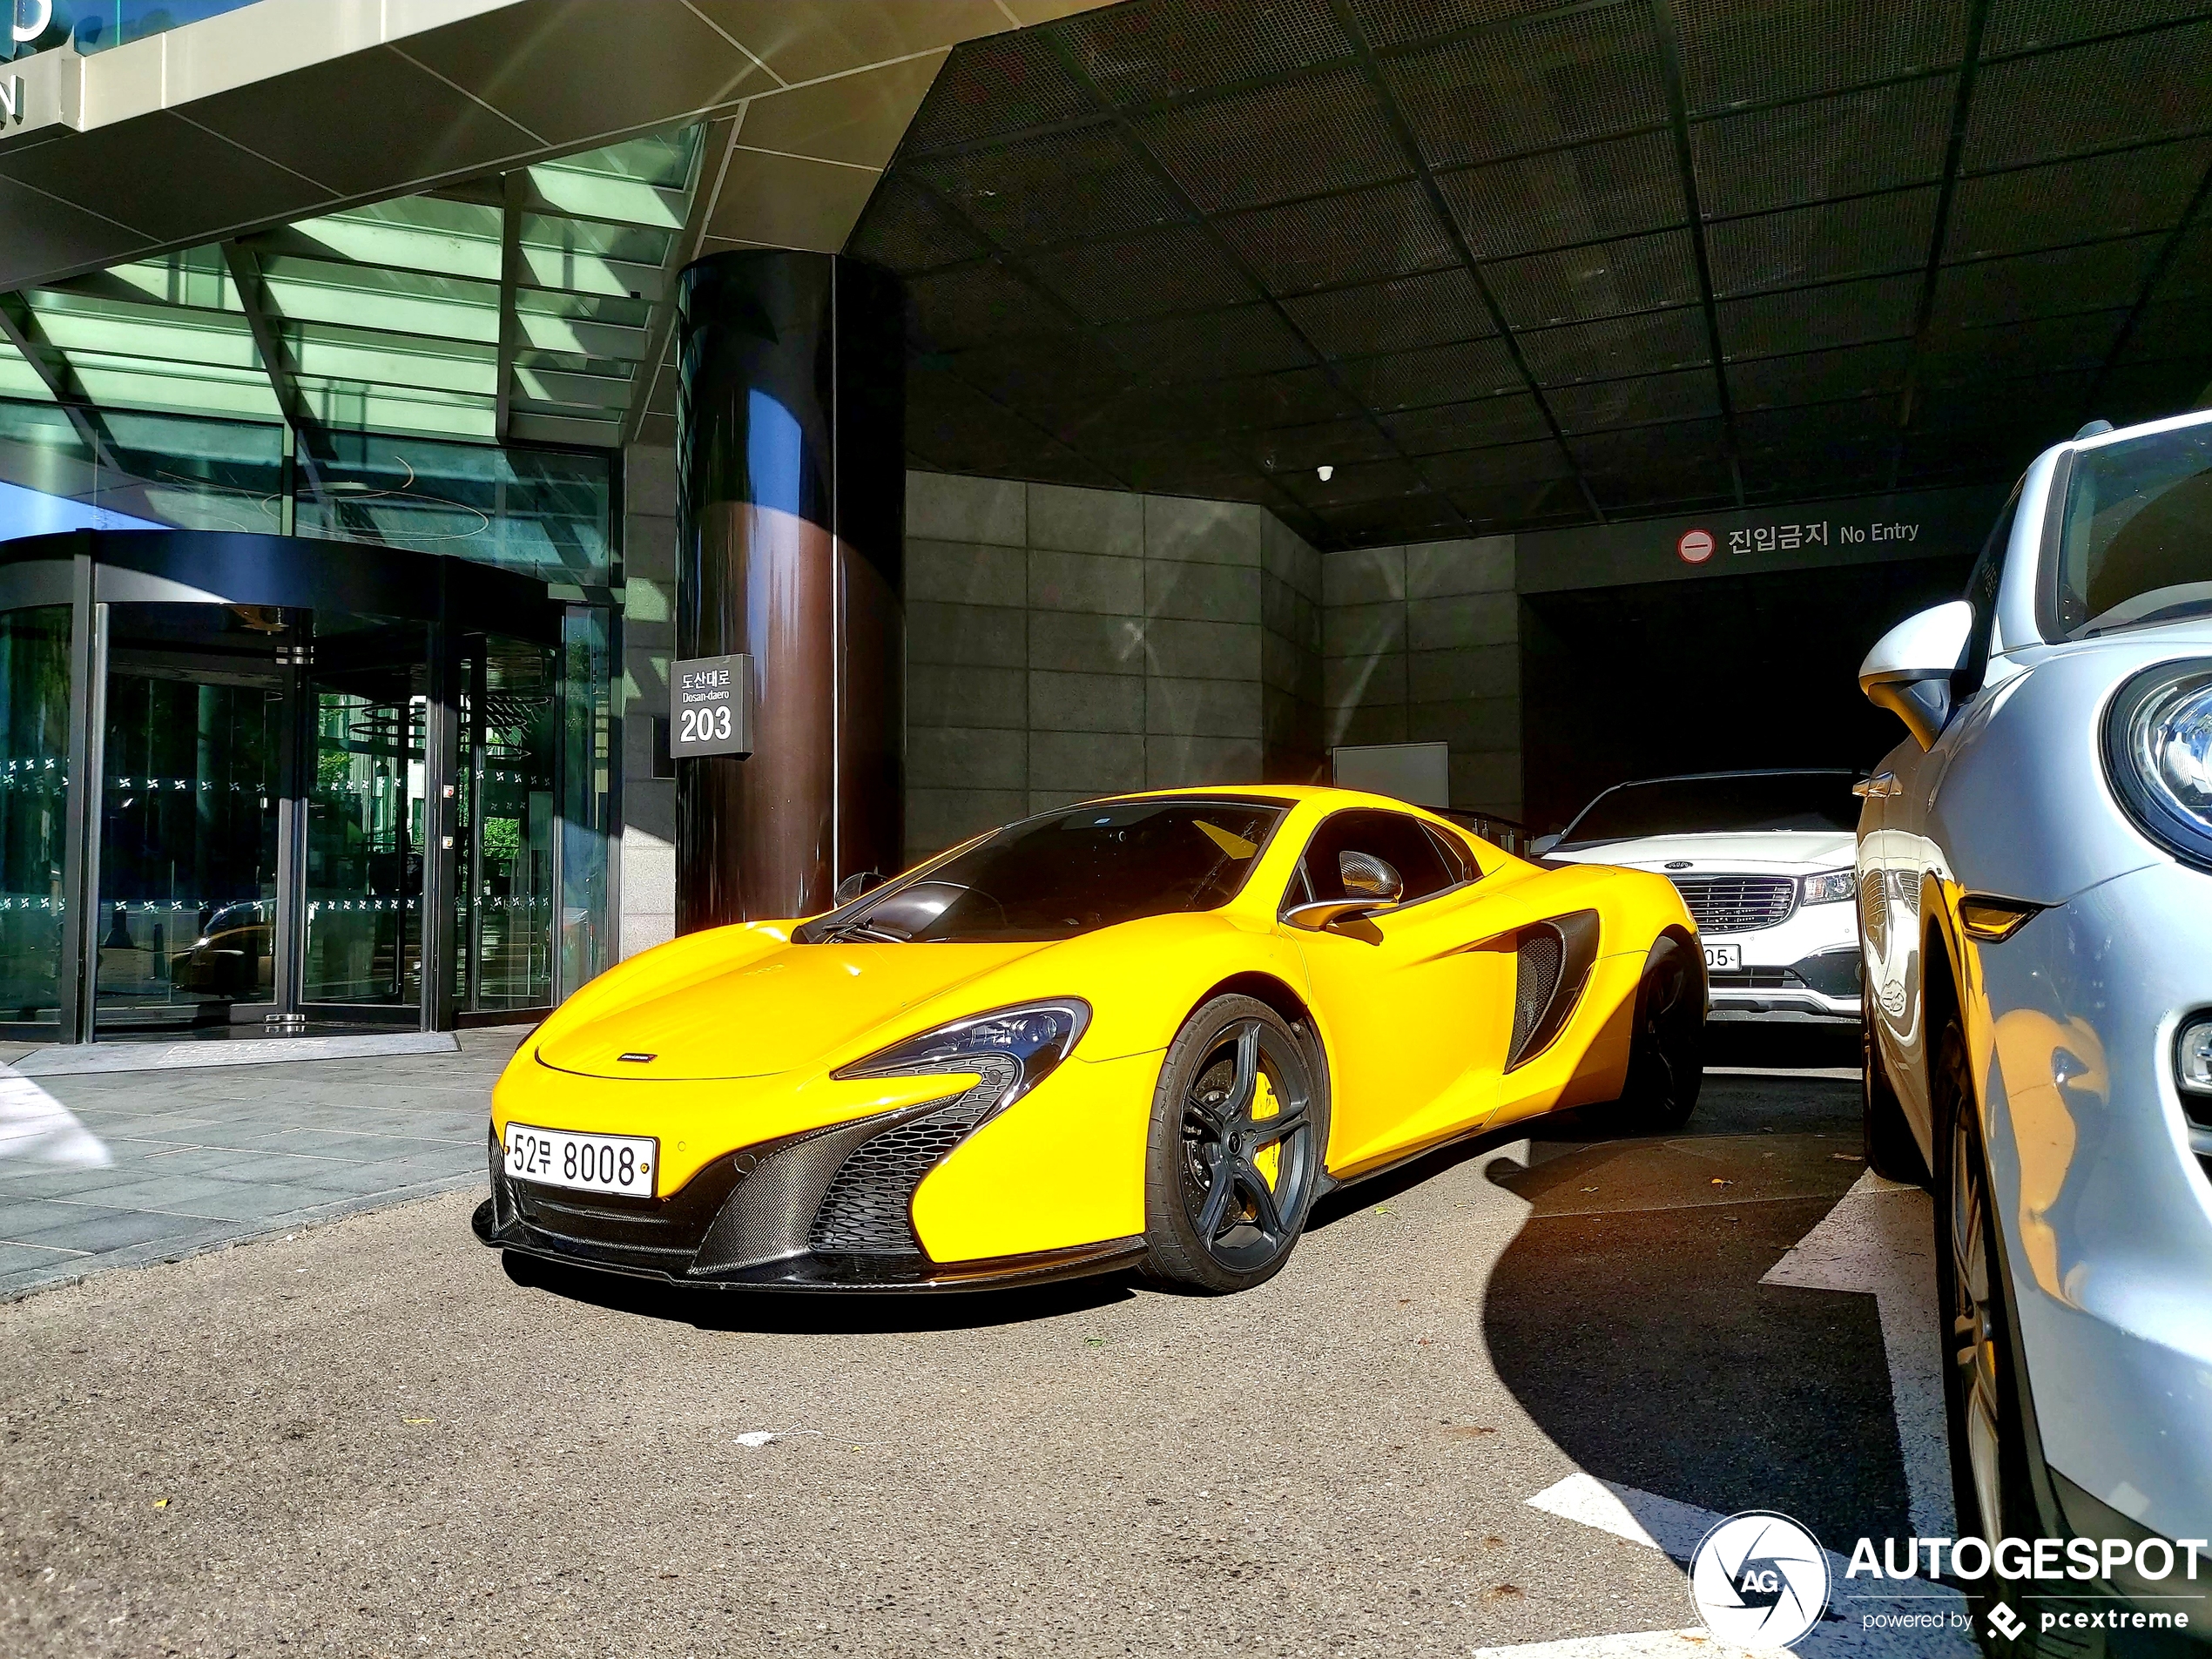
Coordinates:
x,y
1551,964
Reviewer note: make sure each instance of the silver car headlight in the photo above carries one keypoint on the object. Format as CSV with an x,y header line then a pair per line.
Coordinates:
x,y
2158,753
1011,1050
1826,886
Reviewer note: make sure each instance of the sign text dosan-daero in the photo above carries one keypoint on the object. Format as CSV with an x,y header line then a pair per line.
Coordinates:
x,y
710,706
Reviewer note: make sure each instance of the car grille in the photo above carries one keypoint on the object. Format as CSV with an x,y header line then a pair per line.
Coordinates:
x,y
866,1210
1737,904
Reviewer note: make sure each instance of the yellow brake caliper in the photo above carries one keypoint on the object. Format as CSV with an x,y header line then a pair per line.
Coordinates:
x,y
1268,1160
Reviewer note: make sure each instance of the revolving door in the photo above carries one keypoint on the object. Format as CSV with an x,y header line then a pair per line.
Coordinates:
x,y
331,791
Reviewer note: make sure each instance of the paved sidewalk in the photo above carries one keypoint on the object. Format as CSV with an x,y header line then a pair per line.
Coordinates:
x,y
105,1169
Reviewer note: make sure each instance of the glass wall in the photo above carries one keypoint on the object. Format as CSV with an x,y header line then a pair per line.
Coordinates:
x,y
192,770
543,512
34,813
365,814
588,745
504,907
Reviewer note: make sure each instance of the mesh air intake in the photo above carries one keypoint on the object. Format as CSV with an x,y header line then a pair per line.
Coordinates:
x,y
1536,966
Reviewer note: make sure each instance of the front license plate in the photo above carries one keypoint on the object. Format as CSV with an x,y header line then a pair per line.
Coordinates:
x,y
554,1158
1720,959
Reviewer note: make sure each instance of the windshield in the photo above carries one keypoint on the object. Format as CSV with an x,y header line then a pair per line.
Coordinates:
x,y
1732,802
1071,873
2136,547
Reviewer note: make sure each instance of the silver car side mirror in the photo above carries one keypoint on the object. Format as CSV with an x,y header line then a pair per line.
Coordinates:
x,y
1368,878
1542,845
1909,670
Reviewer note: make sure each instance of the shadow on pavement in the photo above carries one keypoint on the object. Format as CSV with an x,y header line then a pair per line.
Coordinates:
x,y
1628,1317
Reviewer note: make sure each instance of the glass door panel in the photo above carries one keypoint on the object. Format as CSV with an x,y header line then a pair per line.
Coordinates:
x,y
34,813
191,764
504,898
369,703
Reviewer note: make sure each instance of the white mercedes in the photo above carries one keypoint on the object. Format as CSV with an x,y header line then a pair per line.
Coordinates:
x,y
1764,860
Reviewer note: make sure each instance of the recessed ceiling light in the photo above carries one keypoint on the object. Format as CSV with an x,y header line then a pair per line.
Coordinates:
x,y
1325,472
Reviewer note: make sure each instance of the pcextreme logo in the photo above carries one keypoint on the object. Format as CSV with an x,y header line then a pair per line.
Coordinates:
x,y
1759,1579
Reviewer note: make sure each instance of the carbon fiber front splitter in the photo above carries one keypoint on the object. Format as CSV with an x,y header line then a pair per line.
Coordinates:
x,y
815,1272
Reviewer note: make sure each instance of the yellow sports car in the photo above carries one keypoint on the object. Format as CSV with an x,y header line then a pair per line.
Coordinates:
x,y
1148,1030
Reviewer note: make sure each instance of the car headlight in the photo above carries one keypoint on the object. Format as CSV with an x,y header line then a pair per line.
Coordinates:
x,y
2158,753
1010,1050
1828,886
2193,1056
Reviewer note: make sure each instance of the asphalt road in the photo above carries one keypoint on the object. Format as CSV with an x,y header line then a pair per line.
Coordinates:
x,y
369,1439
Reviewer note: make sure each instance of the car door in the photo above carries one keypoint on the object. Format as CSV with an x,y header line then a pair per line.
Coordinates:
x,y
1414,1002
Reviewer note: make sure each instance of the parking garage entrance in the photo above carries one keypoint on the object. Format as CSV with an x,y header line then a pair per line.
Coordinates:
x,y
336,785
1653,650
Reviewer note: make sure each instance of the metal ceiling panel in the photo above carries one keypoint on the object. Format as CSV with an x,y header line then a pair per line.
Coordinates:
x,y
2122,193
2155,86
974,305
1589,74
1317,132
1055,188
1866,236
1362,235
1150,49
1441,374
2044,284
1247,341
1586,194
1648,343
1483,422
1598,405
1430,310
1819,376
904,229
1003,84
1802,320
2024,25
1734,54
1505,463
1826,147
1601,280
1118,278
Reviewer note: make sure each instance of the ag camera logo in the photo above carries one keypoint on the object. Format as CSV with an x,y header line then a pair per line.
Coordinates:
x,y
1759,1579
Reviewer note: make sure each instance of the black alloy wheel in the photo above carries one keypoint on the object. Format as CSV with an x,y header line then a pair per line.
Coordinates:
x,y
1666,1051
1891,1150
1235,1155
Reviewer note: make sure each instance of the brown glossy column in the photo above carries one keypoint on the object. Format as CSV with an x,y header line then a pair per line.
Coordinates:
x,y
791,458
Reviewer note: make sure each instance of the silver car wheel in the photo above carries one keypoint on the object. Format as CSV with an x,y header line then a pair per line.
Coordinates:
x,y
1975,1326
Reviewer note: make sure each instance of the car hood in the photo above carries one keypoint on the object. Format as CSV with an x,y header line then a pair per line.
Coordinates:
x,y
776,1009
1753,853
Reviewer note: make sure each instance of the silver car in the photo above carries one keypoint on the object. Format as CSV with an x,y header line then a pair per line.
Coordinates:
x,y
2035,904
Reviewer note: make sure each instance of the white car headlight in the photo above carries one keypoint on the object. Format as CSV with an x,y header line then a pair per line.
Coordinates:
x,y
1828,886
2158,752
1012,1050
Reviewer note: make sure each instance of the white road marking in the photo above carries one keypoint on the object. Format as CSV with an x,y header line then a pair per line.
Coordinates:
x,y
38,1129
1674,1529
1879,1240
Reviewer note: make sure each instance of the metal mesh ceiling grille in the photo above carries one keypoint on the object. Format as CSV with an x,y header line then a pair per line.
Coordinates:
x,y
1445,248
1320,133
1865,237
1588,75
1824,148
2118,194
1735,54
1585,194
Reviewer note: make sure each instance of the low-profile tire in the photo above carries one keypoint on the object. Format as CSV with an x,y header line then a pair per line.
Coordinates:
x,y
1984,1404
1240,1119
1891,1150
1667,1049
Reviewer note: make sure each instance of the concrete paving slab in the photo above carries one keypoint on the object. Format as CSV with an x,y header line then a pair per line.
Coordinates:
x,y
64,1060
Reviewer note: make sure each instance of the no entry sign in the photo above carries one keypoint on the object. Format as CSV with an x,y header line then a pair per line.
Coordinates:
x,y
1695,546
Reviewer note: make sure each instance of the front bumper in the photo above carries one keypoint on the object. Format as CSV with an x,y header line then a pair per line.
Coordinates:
x,y
754,1220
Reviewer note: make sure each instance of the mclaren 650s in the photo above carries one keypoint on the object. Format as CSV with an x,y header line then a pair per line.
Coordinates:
x,y
1147,1031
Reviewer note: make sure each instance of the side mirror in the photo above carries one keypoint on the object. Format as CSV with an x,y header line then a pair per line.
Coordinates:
x,y
854,885
1909,670
1315,917
1368,878
1542,845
